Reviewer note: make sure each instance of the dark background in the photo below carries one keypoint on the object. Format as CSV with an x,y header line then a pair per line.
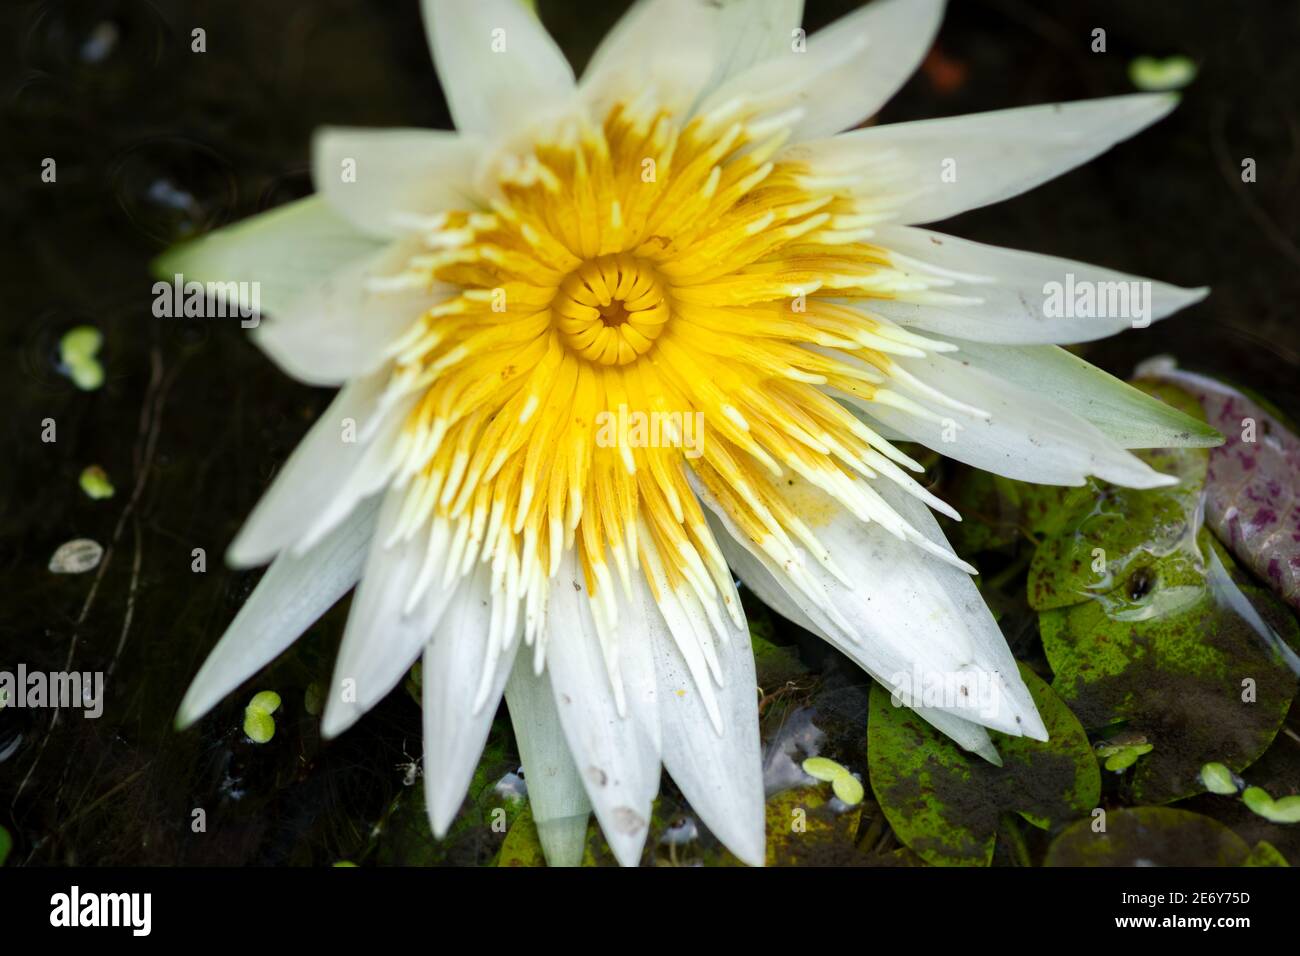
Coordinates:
x,y
155,143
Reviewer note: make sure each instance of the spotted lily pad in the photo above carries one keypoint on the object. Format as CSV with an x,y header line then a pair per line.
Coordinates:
x,y
1192,677
1145,624
1148,836
945,803
1113,544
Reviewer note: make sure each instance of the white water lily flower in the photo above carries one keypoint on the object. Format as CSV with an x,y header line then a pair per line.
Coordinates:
x,y
686,230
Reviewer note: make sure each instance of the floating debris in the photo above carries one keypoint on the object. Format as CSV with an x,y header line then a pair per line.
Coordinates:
x,y
96,484
1157,76
683,830
77,352
511,786
77,556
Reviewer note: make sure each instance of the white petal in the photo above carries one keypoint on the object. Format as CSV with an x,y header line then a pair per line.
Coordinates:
x,y
292,594
1127,416
1025,437
669,45
617,755
497,65
344,325
908,615
380,179
848,70
1023,298
720,774
934,169
287,252
454,732
754,31
310,479
555,791
381,642
758,579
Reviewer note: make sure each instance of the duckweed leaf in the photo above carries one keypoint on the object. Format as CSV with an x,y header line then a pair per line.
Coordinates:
x,y
1285,810
823,768
259,726
1217,778
945,803
1124,757
95,483
267,700
1156,75
78,351
1148,836
848,788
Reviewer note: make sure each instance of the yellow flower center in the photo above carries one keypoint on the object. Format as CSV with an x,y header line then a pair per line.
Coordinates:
x,y
611,309
643,313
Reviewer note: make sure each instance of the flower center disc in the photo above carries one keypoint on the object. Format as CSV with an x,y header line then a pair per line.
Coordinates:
x,y
611,309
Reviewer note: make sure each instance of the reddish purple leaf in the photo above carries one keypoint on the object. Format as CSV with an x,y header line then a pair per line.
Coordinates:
x,y
1252,490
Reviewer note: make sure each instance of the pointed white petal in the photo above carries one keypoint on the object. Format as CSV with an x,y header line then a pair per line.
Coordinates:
x,y
379,179
497,65
555,791
753,32
294,592
1127,416
454,732
343,326
1026,436
758,579
938,168
617,755
381,642
847,71
309,479
909,617
668,45
1022,298
287,252
720,774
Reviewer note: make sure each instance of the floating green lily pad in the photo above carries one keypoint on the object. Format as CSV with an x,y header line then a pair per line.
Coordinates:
x,y
1148,836
945,803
